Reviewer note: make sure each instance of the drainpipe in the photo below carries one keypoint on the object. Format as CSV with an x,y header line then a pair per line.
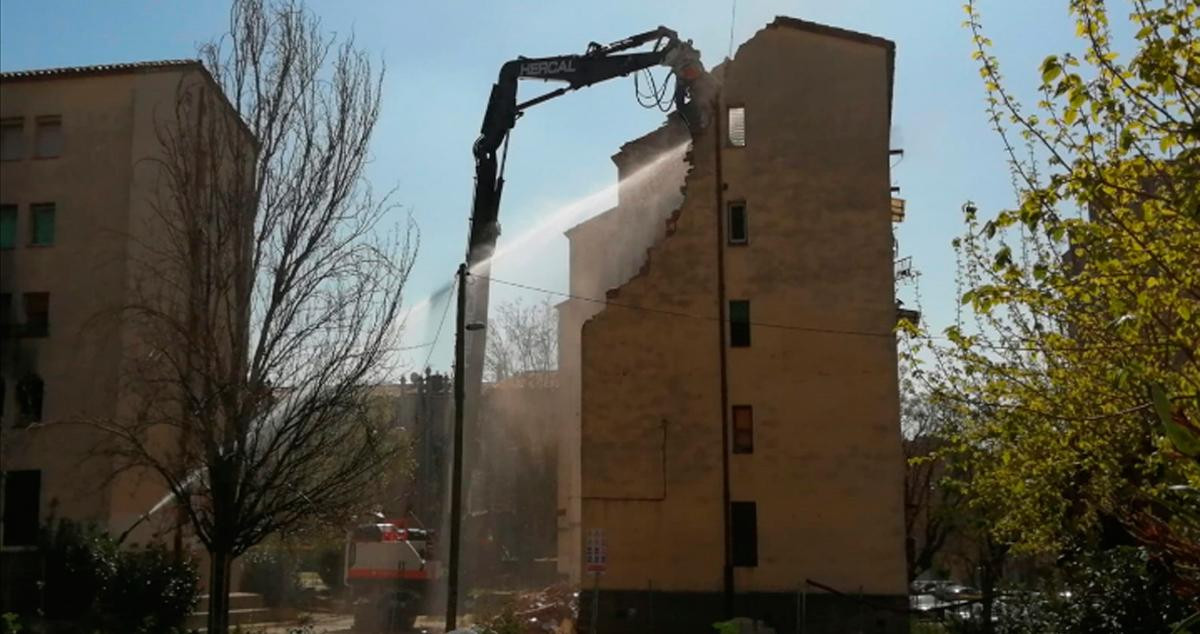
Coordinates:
x,y
719,190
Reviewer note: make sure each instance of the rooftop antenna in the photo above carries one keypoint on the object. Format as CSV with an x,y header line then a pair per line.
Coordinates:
x,y
732,21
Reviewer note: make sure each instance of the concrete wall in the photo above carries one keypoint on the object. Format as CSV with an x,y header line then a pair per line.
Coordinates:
x,y
106,187
826,472
153,275
84,272
606,251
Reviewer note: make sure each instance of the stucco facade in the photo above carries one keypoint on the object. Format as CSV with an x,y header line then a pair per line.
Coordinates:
x,y
103,183
606,251
660,374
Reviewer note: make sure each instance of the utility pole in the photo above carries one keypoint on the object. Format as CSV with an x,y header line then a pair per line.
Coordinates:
x,y
456,465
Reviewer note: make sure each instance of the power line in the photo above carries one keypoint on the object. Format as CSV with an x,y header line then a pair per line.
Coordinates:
x,y
674,313
415,346
832,331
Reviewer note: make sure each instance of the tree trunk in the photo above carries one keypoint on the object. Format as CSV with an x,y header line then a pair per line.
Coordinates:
x,y
993,568
218,591
910,556
989,599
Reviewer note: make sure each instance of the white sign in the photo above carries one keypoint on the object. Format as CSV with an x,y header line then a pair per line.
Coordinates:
x,y
595,551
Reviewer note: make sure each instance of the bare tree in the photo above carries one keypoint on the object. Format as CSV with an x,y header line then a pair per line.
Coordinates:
x,y
268,297
522,341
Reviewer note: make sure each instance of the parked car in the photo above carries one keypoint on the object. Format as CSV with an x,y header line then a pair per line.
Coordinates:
x,y
923,602
928,586
956,592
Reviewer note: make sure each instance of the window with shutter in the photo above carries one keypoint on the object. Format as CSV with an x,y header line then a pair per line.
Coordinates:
x,y
743,429
37,314
22,507
12,139
738,231
739,323
30,398
48,137
8,226
744,517
737,126
42,227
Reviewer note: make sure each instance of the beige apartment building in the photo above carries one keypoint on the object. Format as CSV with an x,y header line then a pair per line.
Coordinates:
x,y
76,200
735,439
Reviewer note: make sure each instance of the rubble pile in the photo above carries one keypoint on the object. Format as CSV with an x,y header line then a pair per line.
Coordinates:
x,y
551,609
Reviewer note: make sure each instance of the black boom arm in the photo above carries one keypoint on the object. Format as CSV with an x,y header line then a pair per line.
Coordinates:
x,y
596,65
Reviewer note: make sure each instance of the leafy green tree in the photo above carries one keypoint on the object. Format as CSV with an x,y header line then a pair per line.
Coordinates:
x,y
1084,299
1119,590
89,584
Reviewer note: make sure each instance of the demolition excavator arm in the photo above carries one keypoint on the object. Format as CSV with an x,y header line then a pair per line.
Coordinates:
x,y
694,92
597,64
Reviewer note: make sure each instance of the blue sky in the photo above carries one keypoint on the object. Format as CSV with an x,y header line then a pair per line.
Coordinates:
x,y
442,57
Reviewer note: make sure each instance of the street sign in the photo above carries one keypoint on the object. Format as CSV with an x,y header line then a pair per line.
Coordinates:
x,y
595,551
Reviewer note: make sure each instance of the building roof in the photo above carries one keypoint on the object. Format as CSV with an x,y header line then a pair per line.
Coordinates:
x,y
825,29
597,220
99,69
152,66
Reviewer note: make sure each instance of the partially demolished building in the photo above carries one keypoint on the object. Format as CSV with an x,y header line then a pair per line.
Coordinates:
x,y
732,433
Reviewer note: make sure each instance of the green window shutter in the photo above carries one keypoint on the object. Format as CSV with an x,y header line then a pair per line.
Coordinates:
x,y
744,519
43,224
8,226
739,323
739,310
737,223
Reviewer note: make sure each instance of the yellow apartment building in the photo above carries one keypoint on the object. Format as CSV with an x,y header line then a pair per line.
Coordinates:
x,y
77,183
732,431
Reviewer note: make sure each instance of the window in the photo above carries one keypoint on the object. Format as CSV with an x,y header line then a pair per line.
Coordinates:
x,y
30,393
739,323
22,502
11,139
743,429
5,309
6,316
737,126
48,137
42,227
738,233
8,226
37,314
744,517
